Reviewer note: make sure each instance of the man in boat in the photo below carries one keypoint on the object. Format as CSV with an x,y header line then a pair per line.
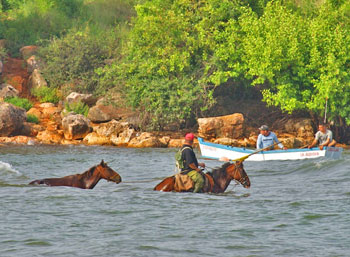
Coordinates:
x,y
190,163
324,137
268,138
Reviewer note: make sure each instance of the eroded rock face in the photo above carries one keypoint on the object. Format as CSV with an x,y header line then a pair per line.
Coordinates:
x,y
229,126
12,119
75,126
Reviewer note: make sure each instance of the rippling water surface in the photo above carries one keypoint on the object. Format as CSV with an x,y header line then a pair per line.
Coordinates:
x,y
293,208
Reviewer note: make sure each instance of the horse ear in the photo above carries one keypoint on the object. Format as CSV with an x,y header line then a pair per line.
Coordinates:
x,y
102,163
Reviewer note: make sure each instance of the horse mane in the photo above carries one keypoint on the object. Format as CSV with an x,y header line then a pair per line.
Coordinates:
x,y
89,172
218,172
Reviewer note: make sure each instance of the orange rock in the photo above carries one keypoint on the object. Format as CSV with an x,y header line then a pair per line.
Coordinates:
x,y
123,138
96,139
229,126
17,140
50,137
35,111
177,143
146,139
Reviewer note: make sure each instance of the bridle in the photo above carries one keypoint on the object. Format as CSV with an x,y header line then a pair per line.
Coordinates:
x,y
243,179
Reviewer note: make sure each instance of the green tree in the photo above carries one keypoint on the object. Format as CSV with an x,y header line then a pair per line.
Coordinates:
x,y
299,62
176,56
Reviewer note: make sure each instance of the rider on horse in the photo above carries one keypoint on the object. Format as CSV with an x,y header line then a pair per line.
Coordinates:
x,y
190,163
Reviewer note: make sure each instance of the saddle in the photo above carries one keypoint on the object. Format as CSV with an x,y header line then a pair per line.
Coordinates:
x,y
183,183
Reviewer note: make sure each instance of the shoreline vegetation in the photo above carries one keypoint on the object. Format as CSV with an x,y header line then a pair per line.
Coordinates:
x,y
146,72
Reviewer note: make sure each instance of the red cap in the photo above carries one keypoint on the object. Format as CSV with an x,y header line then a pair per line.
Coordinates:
x,y
189,136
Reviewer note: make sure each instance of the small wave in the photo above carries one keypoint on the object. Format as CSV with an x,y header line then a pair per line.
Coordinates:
x,y
7,167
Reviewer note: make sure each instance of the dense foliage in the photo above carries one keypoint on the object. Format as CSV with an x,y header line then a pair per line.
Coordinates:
x,y
297,55
175,56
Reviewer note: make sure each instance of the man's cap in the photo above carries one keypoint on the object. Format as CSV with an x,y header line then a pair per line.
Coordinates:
x,y
264,127
189,136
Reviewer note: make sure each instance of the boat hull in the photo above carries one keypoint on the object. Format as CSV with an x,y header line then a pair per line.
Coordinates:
x,y
217,151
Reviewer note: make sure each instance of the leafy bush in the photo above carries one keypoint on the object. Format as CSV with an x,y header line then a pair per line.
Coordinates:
x,y
32,118
78,108
73,60
46,94
19,102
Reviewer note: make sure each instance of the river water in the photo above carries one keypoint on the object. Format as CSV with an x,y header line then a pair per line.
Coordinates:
x,y
293,208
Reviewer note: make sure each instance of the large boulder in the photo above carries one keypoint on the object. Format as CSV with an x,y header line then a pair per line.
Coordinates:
x,y
50,137
145,139
103,113
123,138
12,119
229,126
111,128
75,126
175,142
75,97
7,90
96,139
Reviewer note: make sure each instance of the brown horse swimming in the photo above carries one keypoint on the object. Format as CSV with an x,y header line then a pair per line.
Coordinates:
x,y
86,180
216,181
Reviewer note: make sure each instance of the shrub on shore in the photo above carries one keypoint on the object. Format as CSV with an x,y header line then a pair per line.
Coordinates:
x,y
78,108
46,94
19,102
32,118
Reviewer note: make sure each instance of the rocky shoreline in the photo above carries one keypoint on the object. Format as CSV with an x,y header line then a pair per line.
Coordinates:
x,y
115,126
73,129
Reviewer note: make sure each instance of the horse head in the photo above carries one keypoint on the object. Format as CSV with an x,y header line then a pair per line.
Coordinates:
x,y
108,173
237,172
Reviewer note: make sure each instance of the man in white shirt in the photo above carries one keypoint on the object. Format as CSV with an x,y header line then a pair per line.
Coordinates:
x,y
324,137
267,138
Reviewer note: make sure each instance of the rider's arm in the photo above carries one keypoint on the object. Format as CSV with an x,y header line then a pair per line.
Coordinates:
x,y
194,167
